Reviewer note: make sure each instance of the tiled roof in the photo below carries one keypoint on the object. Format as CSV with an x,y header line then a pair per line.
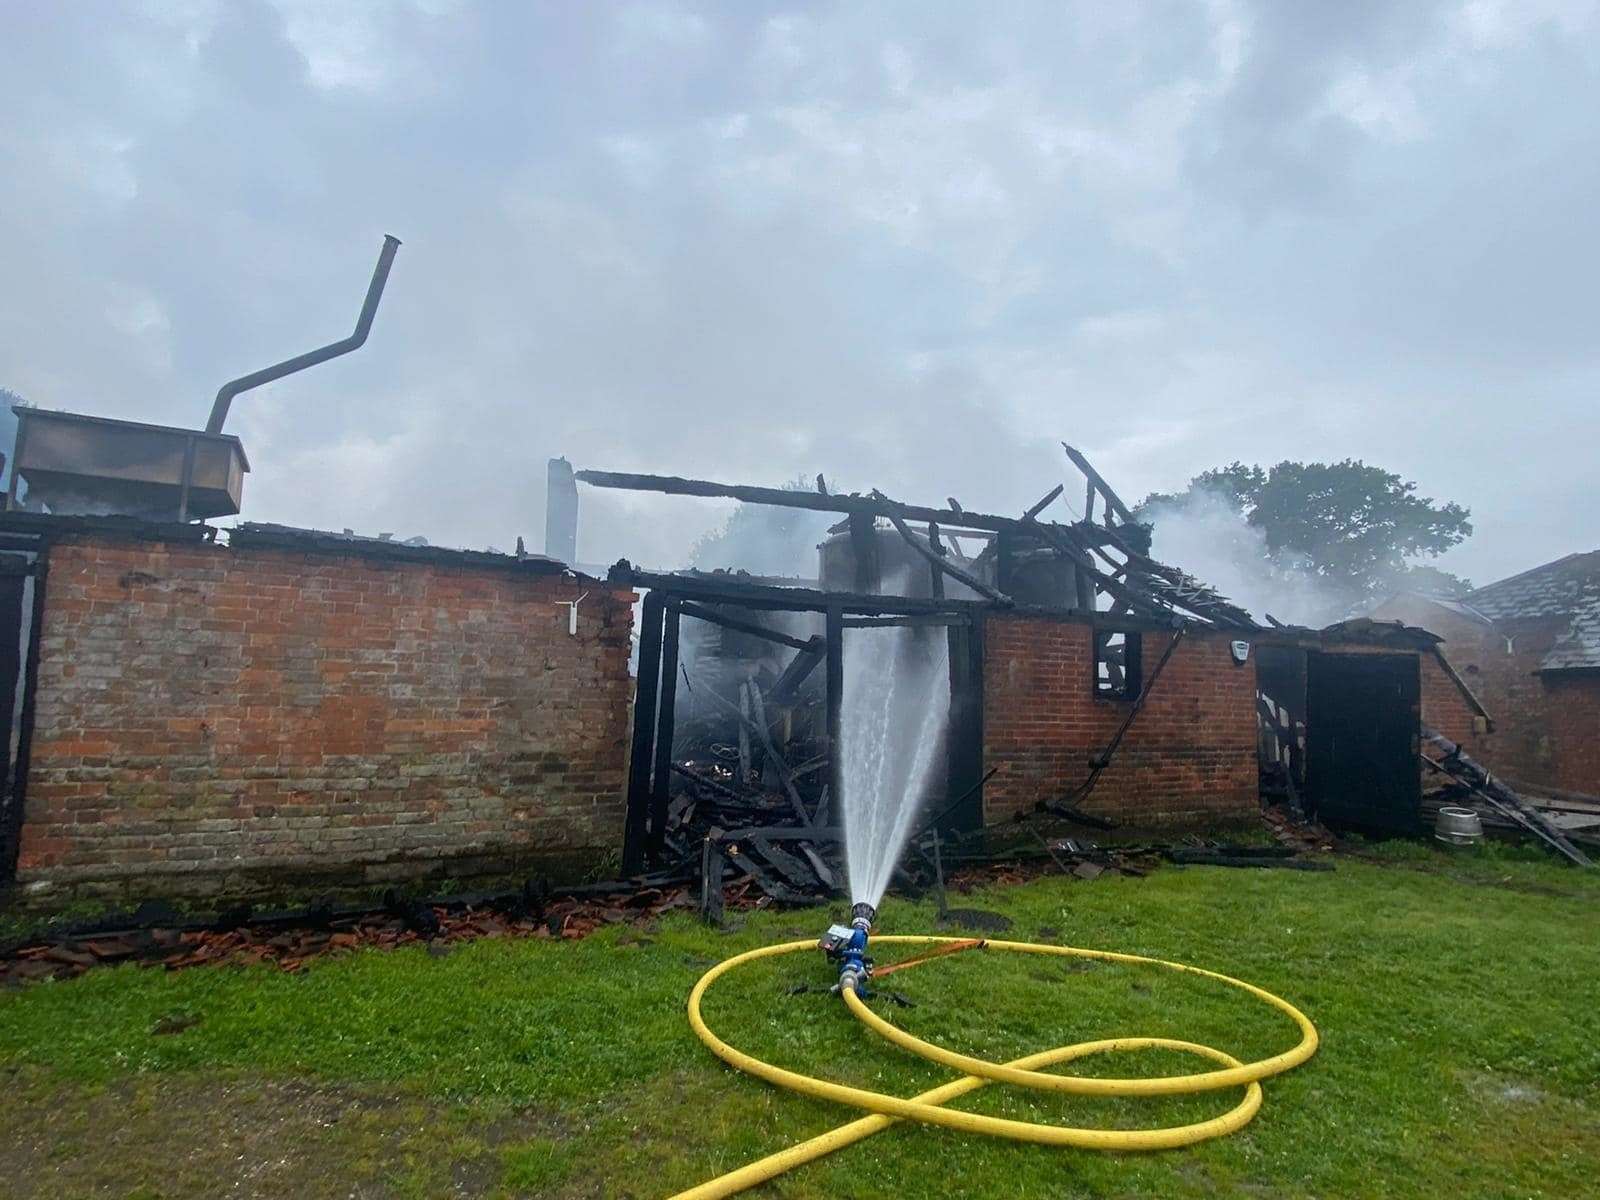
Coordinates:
x,y
1579,647
1568,587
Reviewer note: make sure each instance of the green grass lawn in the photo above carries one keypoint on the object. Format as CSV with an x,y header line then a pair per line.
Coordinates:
x,y
1458,1001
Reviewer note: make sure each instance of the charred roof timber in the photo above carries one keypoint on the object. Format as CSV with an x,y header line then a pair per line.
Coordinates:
x,y
1102,568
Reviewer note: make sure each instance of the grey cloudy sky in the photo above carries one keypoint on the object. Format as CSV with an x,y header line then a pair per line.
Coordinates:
x,y
913,246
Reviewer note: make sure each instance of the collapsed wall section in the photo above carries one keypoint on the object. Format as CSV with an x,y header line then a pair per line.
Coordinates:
x,y
213,720
1188,758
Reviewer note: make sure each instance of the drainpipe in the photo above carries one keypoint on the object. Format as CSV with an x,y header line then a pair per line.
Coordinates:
x,y
369,308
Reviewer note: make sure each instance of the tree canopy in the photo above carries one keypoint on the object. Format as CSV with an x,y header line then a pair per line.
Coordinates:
x,y
1355,527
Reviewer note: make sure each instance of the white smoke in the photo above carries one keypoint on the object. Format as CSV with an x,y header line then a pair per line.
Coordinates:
x,y
1209,538
766,540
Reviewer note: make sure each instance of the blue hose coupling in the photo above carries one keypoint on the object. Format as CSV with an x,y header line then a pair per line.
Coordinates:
x,y
847,945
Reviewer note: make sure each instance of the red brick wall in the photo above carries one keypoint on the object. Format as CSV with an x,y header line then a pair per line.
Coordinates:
x,y
217,719
1447,709
1189,756
1524,744
1573,705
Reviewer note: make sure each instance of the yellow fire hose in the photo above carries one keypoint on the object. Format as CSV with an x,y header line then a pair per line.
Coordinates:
x,y
1024,1072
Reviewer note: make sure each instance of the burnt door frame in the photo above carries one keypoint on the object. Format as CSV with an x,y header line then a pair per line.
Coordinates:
x,y
654,718
22,581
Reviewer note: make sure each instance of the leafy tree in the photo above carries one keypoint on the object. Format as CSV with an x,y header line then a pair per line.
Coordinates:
x,y
1355,527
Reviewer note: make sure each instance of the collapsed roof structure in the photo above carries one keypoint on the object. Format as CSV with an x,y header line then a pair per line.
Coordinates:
x,y
1087,565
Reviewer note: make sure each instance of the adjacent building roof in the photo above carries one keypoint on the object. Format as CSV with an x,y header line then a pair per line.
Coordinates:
x,y
1450,604
1567,588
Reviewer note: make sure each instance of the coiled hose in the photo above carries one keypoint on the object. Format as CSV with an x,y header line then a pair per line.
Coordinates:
x,y
885,1110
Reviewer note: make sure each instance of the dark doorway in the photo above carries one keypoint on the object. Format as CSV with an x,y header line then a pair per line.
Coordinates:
x,y
788,661
1362,722
960,810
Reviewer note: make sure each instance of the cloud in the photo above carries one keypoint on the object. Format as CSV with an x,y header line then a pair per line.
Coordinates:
x,y
910,246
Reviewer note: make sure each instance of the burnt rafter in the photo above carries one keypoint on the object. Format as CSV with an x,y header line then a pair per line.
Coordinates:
x,y
938,561
1168,586
1110,556
878,505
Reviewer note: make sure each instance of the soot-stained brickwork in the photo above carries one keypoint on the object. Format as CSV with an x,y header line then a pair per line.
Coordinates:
x,y
1190,756
231,720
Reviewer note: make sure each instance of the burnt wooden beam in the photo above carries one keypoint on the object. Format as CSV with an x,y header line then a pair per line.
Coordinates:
x,y
710,784
910,620
1128,593
779,765
1041,505
781,833
746,770
699,613
876,506
756,724
1459,765
938,562
935,573
712,864
1178,589
730,590
1114,502
798,671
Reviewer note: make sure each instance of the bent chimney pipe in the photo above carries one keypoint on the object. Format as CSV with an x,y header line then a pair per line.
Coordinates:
x,y
369,308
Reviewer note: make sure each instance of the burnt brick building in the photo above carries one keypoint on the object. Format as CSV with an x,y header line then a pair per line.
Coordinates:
x,y
1529,646
286,709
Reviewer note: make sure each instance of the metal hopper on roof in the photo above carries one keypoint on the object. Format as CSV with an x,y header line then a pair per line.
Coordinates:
x,y
78,464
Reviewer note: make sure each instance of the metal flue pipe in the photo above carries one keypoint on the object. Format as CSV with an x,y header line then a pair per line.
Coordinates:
x,y
369,308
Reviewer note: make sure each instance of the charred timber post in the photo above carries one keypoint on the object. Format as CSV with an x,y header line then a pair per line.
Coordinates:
x,y
635,831
835,636
936,570
666,723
